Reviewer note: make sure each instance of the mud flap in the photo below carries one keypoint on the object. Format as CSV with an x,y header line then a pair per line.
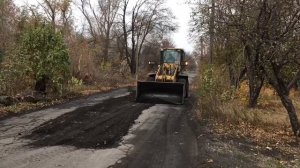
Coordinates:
x,y
147,90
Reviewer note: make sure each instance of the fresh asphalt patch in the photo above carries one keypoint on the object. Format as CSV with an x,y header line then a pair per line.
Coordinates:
x,y
95,127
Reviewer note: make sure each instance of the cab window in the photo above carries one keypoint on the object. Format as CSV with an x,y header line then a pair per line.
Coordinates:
x,y
171,56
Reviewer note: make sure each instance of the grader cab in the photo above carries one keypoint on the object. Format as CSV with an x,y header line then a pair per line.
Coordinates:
x,y
168,80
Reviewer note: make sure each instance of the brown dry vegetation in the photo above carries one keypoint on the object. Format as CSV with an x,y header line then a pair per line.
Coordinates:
x,y
74,91
226,110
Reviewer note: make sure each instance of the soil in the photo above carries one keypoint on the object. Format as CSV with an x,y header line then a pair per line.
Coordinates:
x,y
98,126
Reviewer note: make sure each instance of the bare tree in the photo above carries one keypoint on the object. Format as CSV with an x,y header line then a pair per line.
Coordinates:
x,y
268,34
66,13
145,17
58,13
101,21
279,24
50,8
8,22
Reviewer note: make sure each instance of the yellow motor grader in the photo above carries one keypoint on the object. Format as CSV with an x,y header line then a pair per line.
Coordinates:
x,y
168,80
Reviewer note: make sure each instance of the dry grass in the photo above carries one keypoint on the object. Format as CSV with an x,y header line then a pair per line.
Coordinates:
x,y
267,122
267,125
107,83
269,111
101,87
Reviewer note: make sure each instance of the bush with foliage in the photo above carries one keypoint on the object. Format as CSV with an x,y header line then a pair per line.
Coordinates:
x,y
44,57
214,85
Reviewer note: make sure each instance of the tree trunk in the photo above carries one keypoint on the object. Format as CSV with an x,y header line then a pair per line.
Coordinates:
x,y
40,85
211,31
105,52
255,85
106,47
289,106
254,94
240,78
256,80
133,66
283,92
232,76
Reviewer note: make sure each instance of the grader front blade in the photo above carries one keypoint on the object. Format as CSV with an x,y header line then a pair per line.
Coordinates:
x,y
170,92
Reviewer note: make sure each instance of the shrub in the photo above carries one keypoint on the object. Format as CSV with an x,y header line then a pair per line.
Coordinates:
x,y
44,57
214,91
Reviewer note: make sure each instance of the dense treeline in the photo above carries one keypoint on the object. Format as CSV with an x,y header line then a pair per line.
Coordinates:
x,y
43,47
257,40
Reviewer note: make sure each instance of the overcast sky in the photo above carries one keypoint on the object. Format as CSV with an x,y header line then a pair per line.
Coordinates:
x,y
181,12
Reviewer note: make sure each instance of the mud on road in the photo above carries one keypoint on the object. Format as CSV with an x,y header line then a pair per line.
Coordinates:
x,y
100,131
98,126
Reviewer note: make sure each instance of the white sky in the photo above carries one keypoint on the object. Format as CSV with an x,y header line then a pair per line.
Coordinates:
x,y
179,9
182,14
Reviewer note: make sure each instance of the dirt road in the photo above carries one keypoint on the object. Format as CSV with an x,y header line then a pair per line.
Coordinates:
x,y
112,130
104,130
